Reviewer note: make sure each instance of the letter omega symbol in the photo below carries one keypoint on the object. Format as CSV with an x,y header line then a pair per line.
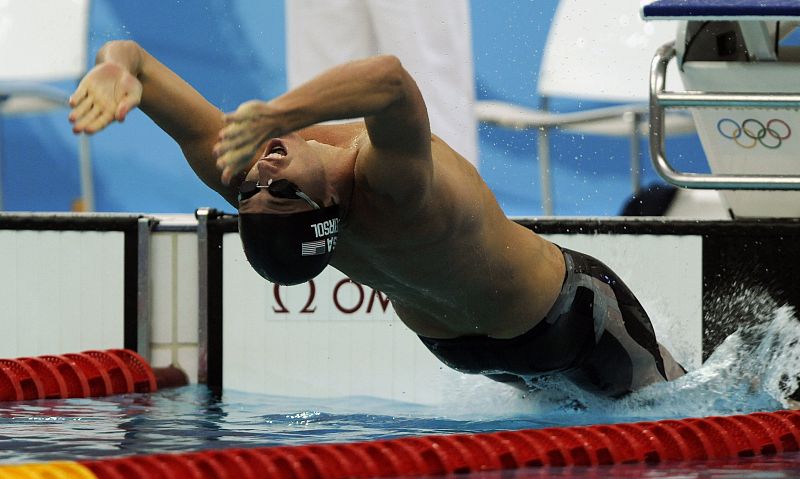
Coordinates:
x,y
307,309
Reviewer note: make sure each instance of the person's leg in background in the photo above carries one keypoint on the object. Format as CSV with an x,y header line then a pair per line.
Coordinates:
x,y
432,39
321,34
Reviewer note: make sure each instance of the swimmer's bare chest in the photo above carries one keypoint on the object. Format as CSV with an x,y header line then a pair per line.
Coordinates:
x,y
444,276
453,266
421,280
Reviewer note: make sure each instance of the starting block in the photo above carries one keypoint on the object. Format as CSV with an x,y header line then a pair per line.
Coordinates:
x,y
739,66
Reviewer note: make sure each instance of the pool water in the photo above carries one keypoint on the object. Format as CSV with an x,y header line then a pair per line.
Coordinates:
x,y
753,370
188,419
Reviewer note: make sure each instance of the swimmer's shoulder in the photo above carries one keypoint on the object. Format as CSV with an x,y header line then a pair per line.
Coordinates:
x,y
343,135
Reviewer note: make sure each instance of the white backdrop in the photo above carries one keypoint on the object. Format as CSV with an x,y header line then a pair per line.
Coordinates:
x,y
60,291
339,339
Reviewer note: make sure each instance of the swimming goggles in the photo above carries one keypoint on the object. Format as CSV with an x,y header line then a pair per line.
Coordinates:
x,y
278,188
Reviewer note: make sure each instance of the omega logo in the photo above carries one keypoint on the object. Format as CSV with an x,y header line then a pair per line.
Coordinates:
x,y
374,299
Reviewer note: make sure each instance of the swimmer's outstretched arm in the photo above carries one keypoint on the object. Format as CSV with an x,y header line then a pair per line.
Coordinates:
x,y
378,89
397,160
125,77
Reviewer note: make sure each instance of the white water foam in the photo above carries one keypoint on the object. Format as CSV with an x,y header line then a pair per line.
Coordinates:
x,y
755,368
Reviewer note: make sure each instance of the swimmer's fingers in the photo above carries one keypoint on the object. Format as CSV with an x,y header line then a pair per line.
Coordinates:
x,y
80,101
239,139
103,118
244,132
235,154
123,108
238,143
234,132
249,111
235,135
251,124
79,95
227,174
79,108
106,94
233,162
128,97
94,115
84,101
231,155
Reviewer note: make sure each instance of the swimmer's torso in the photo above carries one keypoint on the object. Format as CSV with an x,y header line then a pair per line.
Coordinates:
x,y
452,264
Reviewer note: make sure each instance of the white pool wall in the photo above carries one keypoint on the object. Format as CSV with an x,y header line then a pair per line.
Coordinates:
x,y
63,292
271,346
60,291
174,301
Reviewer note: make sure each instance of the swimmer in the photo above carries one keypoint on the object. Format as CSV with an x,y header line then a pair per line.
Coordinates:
x,y
395,208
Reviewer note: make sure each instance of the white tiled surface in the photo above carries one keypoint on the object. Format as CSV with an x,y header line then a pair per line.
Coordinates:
x,y
60,292
187,360
63,292
326,353
161,355
329,353
162,288
174,301
187,288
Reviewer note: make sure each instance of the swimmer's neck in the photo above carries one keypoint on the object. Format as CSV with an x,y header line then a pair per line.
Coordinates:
x,y
339,165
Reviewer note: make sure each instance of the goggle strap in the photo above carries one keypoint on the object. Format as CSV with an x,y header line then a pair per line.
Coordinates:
x,y
307,199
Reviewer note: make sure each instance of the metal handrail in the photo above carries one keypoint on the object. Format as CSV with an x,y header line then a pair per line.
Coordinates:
x,y
38,90
54,97
661,99
521,118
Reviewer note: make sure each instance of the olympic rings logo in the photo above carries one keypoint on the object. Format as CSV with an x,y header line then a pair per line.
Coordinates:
x,y
752,132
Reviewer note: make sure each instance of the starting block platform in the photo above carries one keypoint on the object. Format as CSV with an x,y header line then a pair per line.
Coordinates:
x,y
722,10
741,89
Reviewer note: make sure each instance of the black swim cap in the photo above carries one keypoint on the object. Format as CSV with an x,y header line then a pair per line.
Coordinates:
x,y
290,248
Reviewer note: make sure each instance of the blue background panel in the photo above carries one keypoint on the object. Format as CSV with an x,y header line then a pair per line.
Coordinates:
x,y
234,50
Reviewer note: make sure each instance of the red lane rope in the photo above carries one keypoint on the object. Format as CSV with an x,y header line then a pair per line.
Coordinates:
x,y
90,373
143,378
711,438
119,371
52,381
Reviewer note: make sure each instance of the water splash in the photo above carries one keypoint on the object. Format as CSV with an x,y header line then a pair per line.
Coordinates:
x,y
755,368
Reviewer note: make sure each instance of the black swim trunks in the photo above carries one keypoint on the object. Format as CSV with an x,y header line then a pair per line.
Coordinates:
x,y
596,334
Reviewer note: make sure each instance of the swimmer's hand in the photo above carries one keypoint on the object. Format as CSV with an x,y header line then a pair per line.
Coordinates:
x,y
245,130
107,93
